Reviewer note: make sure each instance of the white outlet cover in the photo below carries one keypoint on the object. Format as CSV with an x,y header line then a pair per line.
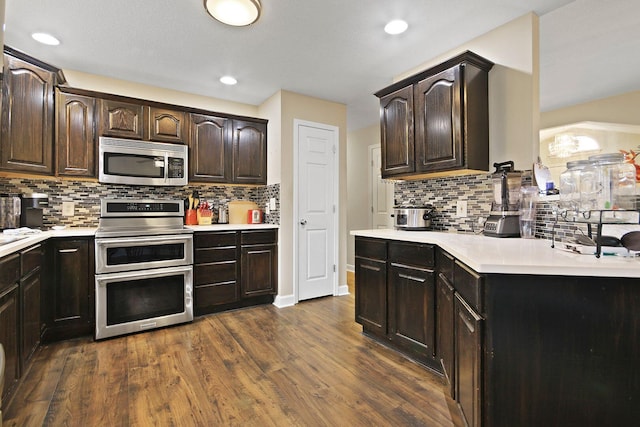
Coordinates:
x,y
272,203
461,209
68,208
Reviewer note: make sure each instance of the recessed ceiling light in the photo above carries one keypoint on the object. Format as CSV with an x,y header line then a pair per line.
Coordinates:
x,y
45,38
228,80
237,13
397,26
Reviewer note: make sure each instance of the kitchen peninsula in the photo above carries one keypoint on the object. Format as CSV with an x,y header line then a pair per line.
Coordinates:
x,y
525,334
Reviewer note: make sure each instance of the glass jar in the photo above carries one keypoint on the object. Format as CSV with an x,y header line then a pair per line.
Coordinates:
x,y
610,183
570,187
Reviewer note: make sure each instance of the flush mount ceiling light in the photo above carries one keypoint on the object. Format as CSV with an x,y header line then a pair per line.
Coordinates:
x,y
397,26
228,80
237,13
45,38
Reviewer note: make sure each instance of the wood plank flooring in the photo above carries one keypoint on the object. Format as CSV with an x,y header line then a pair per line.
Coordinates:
x,y
307,365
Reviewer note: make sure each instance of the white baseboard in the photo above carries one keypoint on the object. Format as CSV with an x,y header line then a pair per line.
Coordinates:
x,y
282,301
343,290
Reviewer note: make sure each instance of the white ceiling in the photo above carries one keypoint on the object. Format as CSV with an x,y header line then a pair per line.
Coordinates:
x,y
330,49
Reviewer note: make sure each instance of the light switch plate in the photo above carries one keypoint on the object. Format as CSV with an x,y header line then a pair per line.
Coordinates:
x,y
272,203
461,209
68,208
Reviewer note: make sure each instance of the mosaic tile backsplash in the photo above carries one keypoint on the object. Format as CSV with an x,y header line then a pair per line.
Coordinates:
x,y
444,193
86,196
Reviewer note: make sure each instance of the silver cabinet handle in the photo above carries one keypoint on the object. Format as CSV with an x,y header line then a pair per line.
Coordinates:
x,y
413,278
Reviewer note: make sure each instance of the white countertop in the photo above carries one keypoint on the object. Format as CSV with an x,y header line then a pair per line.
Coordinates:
x,y
515,255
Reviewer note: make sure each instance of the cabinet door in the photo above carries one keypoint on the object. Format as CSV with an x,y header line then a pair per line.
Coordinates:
x,y
121,119
371,295
468,362
445,332
249,152
75,135
397,133
412,309
30,294
9,337
259,274
167,125
209,159
68,312
27,117
439,122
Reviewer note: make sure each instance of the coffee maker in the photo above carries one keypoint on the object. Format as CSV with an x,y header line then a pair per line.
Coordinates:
x,y
32,210
504,218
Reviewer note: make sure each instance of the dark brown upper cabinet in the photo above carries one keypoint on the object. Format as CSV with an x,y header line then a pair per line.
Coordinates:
x,y
27,114
228,150
437,122
75,134
138,121
396,125
167,125
249,148
121,119
208,159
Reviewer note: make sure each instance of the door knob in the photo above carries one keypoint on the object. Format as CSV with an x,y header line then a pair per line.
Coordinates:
x,y
303,222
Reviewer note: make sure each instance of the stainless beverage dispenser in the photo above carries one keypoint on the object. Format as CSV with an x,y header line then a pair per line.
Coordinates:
x,y
32,212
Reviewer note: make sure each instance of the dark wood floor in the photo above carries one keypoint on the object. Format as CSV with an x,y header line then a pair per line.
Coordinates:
x,y
307,365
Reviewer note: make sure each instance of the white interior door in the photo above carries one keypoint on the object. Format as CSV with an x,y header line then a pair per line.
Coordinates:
x,y
317,206
381,192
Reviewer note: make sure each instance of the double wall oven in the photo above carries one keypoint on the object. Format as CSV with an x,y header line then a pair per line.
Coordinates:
x,y
144,266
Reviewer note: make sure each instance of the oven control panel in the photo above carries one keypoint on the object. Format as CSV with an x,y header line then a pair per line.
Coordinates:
x,y
125,207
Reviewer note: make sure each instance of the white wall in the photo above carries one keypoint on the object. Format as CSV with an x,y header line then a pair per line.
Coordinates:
x,y
358,168
81,80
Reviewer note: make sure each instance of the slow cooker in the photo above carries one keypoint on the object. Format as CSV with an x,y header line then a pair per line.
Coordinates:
x,y
410,218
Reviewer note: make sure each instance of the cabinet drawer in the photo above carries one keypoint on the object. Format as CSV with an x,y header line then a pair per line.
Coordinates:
x,y
258,237
9,271
371,248
444,264
210,240
31,259
207,255
215,273
216,294
470,285
414,254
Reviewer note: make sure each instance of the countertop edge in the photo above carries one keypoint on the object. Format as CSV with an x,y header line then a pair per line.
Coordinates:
x,y
490,255
71,232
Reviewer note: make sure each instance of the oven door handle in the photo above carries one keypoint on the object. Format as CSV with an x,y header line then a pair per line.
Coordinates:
x,y
145,239
141,274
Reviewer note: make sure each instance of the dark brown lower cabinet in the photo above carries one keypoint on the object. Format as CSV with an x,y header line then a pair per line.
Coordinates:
x,y
371,295
9,318
216,270
445,332
468,362
69,289
259,263
30,296
234,269
412,309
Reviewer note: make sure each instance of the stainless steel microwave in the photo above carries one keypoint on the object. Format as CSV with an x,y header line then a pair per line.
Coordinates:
x,y
127,161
